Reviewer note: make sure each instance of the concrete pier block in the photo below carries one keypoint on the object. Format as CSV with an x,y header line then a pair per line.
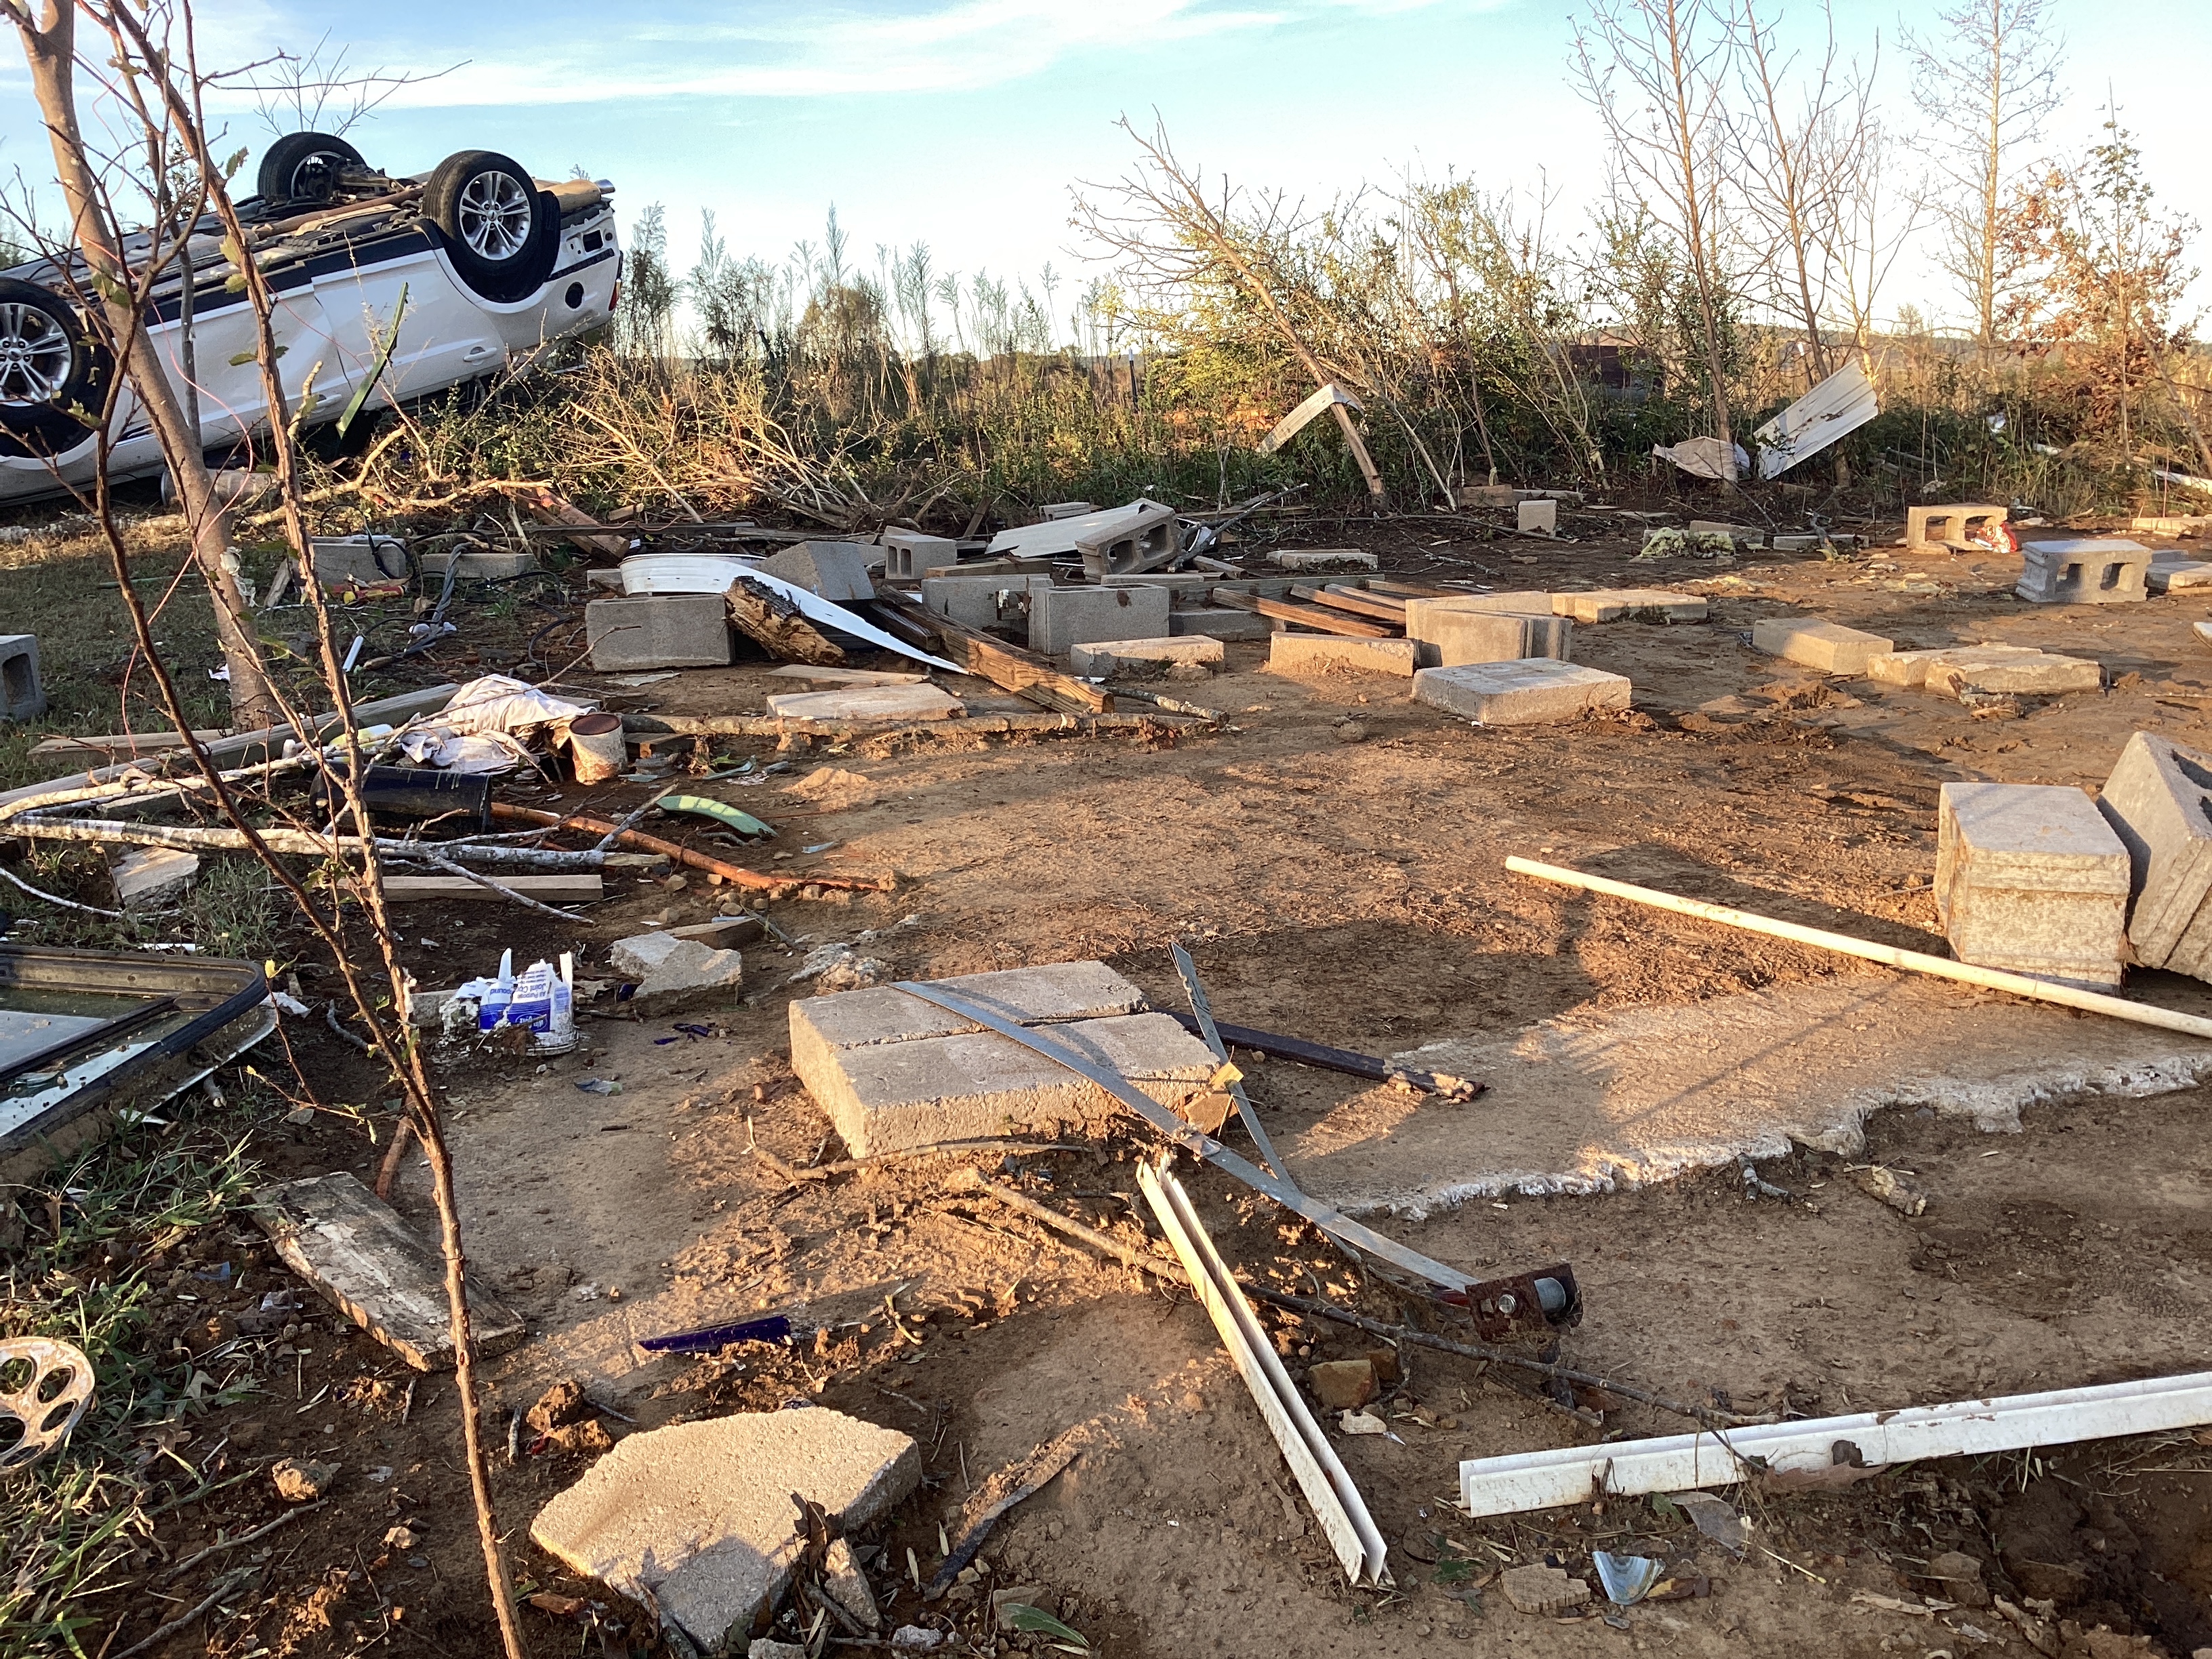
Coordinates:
x,y
1826,646
1939,528
2083,571
1533,692
662,630
2159,802
1063,617
2031,878
1537,518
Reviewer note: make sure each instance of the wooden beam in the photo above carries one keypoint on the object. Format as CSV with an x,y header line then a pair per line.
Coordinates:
x,y
774,621
1413,590
1007,666
1307,616
581,888
1358,603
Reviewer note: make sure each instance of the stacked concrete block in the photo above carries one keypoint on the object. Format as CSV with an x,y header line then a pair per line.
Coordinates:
x,y
21,696
1941,528
1538,517
2029,878
2159,802
1330,654
1138,659
1451,638
1828,647
1063,617
1535,692
909,556
980,601
1607,605
837,571
2084,571
662,630
894,1071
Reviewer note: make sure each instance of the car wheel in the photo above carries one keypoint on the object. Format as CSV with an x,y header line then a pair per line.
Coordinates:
x,y
52,373
501,230
303,168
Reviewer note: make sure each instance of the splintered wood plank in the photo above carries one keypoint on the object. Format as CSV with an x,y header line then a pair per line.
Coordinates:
x,y
1338,598
374,1268
580,888
1007,666
1306,615
774,621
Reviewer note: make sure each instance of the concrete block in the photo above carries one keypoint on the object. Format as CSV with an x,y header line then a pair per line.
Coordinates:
x,y
980,601
1450,638
1909,668
1056,994
1948,526
909,556
869,703
1826,645
1051,511
1331,653
21,696
662,630
2083,571
1322,558
1793,544
2029,878
2159,802
1746,534
1142,659
1607,605
1524,602
2168,573
1117,539
479,564
2172,525
1487,495
837,571
1534,692
1221,624
1062,617
696,1519
153,875
1538,517
2037,672
360,559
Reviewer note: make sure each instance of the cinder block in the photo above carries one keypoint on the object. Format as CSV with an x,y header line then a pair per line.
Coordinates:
x,y
2087,571
1330,654
837,571
361,559
1322,558
1826,645
2159,802
1937,527
1538,517
1526,604
894,1071
909,556
1534,692
1143,659
1221,624
1744,535
1453,637
980,601
2029,878
1607,605
21,696
1062,617
661,630
1119,539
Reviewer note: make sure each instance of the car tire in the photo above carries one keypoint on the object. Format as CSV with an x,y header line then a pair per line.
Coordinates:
x,y
51,369
302,168
500,231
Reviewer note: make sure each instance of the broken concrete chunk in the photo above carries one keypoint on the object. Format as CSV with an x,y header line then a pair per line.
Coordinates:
x,y
2172,575
2029,878
299,1482
354,1248
1534,692
1329,653
1322,558
1543,1589
686,975
641,953
2083,571
837,571
1909,668
2159,802
2010,673
1144,658
762,1648
868,703
1826,646
1342,1384
696,1519
848,1586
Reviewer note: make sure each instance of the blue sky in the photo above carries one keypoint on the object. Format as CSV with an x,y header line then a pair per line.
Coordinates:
x,y
964,123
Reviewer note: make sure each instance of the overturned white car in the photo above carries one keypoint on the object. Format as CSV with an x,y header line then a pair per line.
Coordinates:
x,y
492,264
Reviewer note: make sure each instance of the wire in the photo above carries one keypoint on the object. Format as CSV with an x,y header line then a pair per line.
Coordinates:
x,y
51,898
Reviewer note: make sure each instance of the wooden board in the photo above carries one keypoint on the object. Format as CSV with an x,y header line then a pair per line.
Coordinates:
x,y
581,887
1007,666
1351,599
776,623
1415,589
354,1248
1307,616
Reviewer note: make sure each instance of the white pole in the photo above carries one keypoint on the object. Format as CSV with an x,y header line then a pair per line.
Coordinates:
x,y
1995,979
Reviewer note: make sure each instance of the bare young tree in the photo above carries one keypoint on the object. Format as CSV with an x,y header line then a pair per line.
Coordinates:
x,y
1986,79
1656,72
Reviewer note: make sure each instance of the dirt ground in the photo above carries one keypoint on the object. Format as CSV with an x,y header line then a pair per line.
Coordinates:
x,y
1333,858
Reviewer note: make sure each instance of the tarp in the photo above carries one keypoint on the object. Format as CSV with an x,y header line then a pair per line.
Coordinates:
x,y
1839,405
1704,457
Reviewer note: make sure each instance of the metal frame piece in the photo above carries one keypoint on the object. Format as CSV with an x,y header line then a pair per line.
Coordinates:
x,y
1321,1474
1207,1028
1681,1462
